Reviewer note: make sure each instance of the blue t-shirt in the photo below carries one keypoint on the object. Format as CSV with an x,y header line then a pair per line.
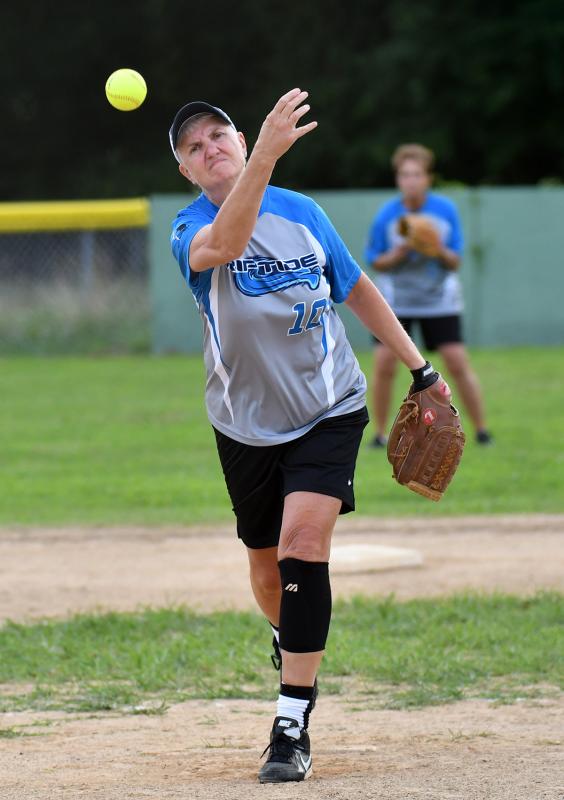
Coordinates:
x,y
276,353
418,286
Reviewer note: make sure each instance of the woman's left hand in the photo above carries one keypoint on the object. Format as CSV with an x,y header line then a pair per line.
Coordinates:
x,y
279,130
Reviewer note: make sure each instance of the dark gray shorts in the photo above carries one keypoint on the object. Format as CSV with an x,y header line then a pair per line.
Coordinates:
x,y
435,331
258,479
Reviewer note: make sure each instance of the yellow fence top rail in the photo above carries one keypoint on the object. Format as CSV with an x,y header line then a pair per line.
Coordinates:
x,y
72,215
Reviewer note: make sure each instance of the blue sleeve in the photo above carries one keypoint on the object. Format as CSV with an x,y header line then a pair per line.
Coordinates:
x,y
377,241
455,239
341,269
184,228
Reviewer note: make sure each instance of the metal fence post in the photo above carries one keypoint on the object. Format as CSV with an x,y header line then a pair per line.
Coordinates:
x,y
86,262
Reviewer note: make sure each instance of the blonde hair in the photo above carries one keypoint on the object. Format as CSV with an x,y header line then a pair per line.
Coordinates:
x,y
413,152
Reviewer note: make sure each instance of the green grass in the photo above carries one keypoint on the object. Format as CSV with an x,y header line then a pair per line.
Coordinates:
x,y
399,655
126,440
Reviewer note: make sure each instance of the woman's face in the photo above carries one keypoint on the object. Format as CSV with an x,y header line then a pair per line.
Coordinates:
x,y
413,180
212,153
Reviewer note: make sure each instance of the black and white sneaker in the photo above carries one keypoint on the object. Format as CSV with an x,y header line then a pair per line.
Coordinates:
x,y
289,757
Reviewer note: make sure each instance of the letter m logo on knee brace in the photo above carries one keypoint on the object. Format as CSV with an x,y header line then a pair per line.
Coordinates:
x,y
305,608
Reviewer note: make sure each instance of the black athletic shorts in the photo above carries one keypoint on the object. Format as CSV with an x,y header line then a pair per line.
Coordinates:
x,y
435,331
259,478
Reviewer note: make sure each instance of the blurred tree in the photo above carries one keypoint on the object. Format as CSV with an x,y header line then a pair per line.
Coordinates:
x,y
482,84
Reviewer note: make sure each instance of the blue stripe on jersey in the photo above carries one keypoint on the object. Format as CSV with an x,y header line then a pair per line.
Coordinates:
x,y
205,300
324,336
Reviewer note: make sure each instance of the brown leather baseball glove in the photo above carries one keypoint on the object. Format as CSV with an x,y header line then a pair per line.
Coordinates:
x,y
426,441
420,234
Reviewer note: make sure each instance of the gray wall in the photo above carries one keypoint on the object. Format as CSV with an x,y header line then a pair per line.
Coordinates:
x,y
512,273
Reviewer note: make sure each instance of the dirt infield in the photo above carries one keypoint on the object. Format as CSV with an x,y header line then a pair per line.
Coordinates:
x,y
210,750
467,750
52,572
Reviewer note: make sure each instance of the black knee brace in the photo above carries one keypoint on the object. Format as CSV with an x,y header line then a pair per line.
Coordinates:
x,y
305,611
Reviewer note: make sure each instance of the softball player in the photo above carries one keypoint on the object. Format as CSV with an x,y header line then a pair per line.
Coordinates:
x,y
421,290
284,393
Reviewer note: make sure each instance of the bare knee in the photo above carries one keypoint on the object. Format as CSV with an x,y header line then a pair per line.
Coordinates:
x,y
386,364
264,572
266,579
456,362
306,541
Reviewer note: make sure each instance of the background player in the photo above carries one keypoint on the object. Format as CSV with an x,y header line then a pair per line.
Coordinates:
x,y
284,392
421,289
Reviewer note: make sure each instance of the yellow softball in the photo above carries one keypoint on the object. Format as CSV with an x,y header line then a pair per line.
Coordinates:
x,y
126,89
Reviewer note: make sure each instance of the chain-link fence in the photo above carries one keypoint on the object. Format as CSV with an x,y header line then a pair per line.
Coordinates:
x,y
74,291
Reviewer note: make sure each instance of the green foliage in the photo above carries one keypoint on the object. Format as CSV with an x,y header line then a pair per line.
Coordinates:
x,y
480,85
400,654
126,440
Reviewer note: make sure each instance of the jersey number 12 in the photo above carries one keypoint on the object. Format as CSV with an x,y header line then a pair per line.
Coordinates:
x,y
314,319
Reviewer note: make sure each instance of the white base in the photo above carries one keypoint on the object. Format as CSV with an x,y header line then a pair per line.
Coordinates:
x,y
347,558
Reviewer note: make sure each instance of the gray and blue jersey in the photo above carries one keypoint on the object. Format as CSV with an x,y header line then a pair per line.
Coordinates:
x,y
276,353
419,286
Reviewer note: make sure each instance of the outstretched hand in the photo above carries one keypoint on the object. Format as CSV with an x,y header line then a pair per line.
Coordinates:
x,y
279,130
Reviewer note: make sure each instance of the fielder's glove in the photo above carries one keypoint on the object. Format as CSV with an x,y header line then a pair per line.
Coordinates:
x,y
426,441
420,234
